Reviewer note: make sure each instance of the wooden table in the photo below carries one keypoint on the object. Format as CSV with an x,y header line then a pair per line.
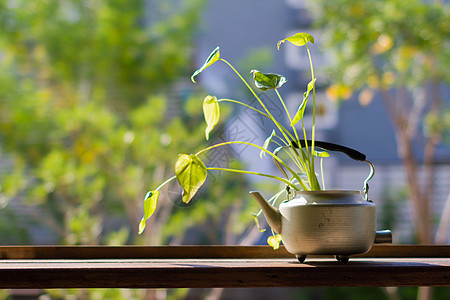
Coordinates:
x,y
26,267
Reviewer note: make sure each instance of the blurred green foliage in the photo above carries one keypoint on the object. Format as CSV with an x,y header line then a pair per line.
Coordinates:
x,y
405,293
115,50
93,110
386,44
91,115
82,113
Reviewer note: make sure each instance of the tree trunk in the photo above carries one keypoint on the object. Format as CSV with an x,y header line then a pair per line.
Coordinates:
x,y
444,224
420,199
419,195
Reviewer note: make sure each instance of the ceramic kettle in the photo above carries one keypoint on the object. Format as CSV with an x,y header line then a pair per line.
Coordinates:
x,y
332,222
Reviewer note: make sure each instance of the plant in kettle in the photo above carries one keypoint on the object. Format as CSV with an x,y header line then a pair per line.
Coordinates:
x,y
191,172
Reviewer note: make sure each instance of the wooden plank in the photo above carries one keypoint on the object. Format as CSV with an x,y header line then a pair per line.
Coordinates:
x,y
129,252
408,251
205,273
93,252
216,266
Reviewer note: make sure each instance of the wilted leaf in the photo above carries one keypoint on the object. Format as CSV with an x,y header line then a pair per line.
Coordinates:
x,y
191,174
150,202
301,109
212,58
266,81
274,241
298,39
211,112
267,143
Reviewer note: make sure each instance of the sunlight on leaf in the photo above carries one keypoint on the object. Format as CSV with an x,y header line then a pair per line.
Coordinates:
x,y
311,85
301,109
321,154
298,39
211,113
267,143
274,241
255,217
191,174
150,201
212,58
266,81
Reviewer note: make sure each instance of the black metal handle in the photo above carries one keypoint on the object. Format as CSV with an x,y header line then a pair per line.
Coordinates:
x,y
356,155
352,153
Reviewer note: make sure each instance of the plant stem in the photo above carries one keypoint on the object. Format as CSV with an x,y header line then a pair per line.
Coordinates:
x,y
314,99
313,179
293,156
255,173
165,182
243,104
294,174
308,154
284,105
321,173
297,140
271,117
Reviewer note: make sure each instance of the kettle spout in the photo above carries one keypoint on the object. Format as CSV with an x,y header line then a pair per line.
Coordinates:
x,y
272,215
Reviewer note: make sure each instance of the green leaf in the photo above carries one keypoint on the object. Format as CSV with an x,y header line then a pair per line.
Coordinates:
x,y
212,58
266,81
274,241
255,217
321,154
191,174
298,39
150,201
267,143
211,112
301,109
